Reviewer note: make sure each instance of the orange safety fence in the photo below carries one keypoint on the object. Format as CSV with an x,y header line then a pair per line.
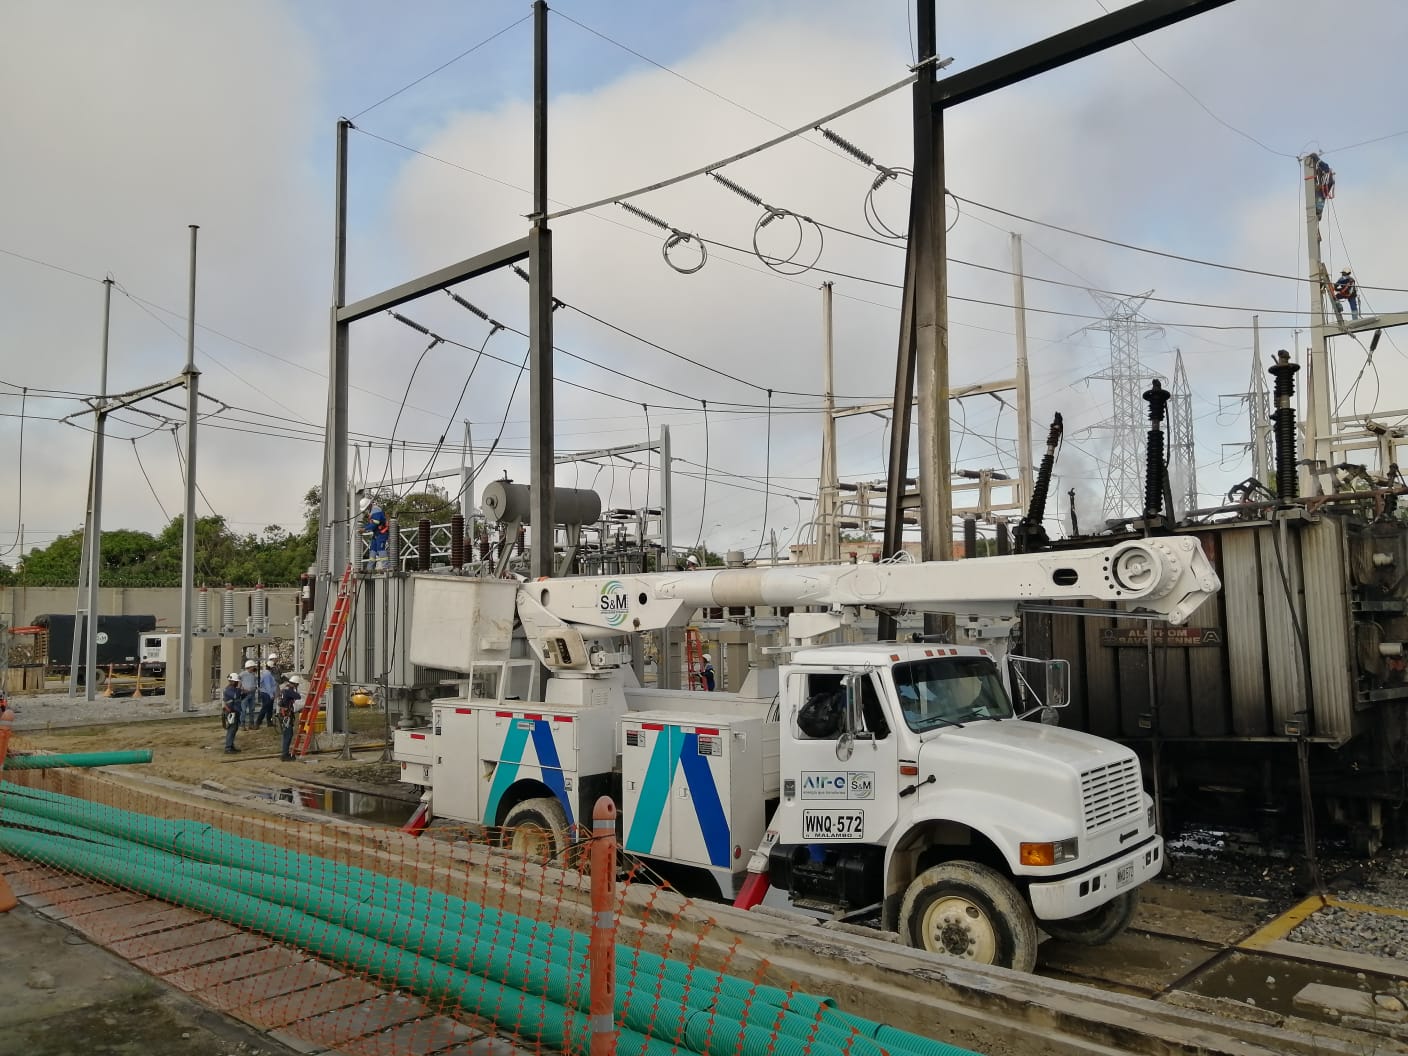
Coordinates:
x,y
361,939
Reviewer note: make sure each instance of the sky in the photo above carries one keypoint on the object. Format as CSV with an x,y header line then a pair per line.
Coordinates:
x,y
128,123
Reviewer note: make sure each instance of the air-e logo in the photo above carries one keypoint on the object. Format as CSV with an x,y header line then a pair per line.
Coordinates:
x,y
613,602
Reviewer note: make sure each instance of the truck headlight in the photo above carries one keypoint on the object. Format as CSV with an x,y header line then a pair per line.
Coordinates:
x,y
1050,853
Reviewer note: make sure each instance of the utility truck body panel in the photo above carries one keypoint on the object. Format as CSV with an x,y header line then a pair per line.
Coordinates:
x,y
889,778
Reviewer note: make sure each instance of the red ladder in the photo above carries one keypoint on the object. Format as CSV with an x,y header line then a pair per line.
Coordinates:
x,y
693,659
322,667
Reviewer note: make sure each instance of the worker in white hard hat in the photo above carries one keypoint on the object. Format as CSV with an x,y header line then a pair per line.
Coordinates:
x,y
708,673
691,562
268,693
232,701
290,704
1345,289
249,687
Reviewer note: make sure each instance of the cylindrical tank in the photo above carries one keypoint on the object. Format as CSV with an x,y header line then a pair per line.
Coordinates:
x,y
203,611
423,544
506,501
227,610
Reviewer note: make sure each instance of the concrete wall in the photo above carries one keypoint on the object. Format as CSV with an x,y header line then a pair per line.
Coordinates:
x,y
23,604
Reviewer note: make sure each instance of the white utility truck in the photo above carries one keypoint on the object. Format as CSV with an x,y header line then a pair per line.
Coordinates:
x,y
855,779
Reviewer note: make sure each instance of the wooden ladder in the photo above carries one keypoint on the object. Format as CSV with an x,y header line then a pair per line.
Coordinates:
x,y
323,665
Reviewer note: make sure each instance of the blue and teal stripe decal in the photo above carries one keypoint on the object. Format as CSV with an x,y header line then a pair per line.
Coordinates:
x,y
511,761
674,750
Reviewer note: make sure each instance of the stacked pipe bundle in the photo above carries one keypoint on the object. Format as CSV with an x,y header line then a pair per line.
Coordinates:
x,y
526,975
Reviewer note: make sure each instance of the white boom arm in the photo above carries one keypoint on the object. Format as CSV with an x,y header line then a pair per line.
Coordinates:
x,y
1168,577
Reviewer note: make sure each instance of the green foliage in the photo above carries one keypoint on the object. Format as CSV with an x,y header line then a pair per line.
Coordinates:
x,y
275,557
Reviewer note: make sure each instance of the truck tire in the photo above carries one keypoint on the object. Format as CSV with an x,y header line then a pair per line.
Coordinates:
x,y
537,829
1098,926
969,911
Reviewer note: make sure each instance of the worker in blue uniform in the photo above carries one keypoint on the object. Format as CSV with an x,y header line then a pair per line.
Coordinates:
x,y
377,531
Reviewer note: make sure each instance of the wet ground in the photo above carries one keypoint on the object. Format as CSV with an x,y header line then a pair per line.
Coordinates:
x,y
67,996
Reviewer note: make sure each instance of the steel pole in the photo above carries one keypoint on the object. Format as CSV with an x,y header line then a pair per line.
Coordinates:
x,y
540,351
1320,383
188,526
85,636
664,672
335,519
931,314
830,549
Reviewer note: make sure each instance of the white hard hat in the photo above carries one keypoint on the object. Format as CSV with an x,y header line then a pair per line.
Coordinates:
x,y
234,676
295,680
708,659
273,656
251,663
1344,271
691,560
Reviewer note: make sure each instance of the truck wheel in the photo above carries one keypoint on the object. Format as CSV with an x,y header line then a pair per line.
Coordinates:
x,y
967,910
537,829
1098,926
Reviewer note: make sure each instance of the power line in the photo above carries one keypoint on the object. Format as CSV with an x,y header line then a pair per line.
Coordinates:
x,y
443,65
1157,252
670,182
1202,105
690,81
137,455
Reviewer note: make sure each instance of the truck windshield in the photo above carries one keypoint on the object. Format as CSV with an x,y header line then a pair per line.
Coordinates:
x,y
948,690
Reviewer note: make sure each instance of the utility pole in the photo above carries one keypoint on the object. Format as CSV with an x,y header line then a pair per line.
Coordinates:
x,y
931,312
1024,395
467,475
1319,380
335,517
188,526
664,667
830,549
540,353
85,633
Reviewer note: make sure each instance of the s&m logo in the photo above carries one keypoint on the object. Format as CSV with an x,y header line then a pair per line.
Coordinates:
x,y
613,602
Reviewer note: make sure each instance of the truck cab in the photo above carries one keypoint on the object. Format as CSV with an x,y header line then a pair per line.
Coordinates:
x,y
911,787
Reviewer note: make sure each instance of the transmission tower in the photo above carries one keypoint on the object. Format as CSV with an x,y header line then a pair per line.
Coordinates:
x,y
1185,468
1124,483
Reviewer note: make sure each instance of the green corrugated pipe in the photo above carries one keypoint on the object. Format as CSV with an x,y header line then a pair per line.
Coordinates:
x,y
54,762
700,986
665,1014
527,1016
199,840
679,989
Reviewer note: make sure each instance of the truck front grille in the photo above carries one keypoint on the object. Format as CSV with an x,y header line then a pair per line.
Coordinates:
x,y
1111,793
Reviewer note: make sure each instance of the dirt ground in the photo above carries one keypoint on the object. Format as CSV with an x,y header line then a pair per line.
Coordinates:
x,y
190,749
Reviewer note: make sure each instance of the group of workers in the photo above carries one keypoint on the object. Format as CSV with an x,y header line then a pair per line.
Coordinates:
x,y
251,696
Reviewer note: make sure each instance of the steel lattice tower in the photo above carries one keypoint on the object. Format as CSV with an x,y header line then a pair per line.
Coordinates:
x,y
1184,469
1124,481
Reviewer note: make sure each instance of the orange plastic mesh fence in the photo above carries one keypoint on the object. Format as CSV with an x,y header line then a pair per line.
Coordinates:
x,y
362,939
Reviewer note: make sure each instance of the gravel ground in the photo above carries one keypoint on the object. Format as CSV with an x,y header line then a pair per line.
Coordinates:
x,y
47,711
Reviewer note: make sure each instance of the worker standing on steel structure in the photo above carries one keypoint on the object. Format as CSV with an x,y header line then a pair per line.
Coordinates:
x,y
377,531
1346,290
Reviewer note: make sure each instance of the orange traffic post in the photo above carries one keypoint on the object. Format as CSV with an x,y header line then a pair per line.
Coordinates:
x,y
137,689
601,952
8,901
107,690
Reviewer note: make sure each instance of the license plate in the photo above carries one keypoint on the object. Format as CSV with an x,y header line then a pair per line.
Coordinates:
x,y
833,824
1124,876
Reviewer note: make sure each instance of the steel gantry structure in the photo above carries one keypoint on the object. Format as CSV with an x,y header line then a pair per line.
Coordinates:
x,y
923,337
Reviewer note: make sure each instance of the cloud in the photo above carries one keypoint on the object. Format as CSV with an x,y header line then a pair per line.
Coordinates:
x,y
139,120
126,124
